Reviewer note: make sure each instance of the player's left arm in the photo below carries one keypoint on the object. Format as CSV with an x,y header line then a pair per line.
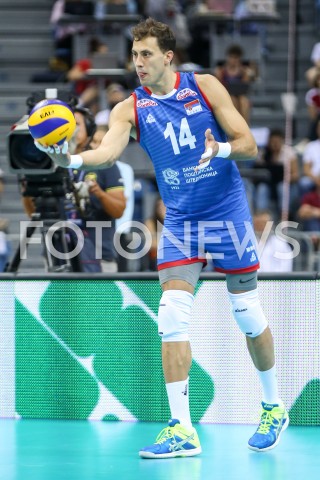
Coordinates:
x,y
240,138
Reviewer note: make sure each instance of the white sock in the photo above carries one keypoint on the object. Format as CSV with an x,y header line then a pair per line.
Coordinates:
x,y
178,396
269,384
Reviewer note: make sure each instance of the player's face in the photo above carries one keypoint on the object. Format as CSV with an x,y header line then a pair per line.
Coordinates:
x,y
150,62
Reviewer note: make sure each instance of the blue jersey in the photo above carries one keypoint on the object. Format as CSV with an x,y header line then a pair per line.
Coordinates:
x,y
171,128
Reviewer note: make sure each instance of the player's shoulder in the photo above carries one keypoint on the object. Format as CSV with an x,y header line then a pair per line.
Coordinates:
x,y
207,79
123,110
127,103
213,89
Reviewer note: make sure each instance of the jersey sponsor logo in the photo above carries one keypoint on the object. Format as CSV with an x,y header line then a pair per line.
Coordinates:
x,y
150,118
171,176
193,107
186,92
192,176
146,102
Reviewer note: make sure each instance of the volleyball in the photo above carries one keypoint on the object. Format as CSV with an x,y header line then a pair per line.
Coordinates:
x,y
51,122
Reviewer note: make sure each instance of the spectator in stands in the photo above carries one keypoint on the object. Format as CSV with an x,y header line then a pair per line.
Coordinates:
x,y
115,93
311,162
309,213
63,34
237,75
274,251
313,103
311,73
86,89
273,158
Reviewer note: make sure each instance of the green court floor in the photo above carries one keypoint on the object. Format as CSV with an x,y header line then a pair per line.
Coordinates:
x,y
81,450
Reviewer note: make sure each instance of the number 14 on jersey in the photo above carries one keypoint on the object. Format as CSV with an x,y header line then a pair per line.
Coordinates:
x,y
185,136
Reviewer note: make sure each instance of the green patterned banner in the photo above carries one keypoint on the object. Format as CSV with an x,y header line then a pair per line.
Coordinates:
x,y
89,349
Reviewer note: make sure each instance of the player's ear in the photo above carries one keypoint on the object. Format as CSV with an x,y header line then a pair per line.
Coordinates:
x,y
168,57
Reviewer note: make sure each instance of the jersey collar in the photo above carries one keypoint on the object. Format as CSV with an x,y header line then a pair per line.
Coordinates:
x,y
175,88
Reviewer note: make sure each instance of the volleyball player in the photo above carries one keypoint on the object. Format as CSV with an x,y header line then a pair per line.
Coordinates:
x,y
189,127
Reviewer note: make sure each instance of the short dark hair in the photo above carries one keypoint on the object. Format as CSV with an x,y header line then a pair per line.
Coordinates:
x,y
159,30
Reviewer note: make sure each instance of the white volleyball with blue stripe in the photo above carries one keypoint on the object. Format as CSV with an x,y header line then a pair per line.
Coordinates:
x,y
51,122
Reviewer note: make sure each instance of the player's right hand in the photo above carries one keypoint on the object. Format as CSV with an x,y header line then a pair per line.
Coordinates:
x,y
59,154
211,149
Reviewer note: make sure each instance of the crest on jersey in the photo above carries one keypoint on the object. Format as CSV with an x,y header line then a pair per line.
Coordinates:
x,y
171,176
146,102
186,92
193,107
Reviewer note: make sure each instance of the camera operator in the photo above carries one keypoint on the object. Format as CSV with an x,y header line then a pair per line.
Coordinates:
x,y
99,198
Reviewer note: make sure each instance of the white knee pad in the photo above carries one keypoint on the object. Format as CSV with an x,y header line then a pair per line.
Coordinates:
x,y
247,311
174,315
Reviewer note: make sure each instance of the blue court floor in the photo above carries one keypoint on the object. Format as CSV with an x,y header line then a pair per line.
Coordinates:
x,y
81,450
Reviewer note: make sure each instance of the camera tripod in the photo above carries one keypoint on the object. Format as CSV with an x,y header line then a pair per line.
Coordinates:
x,y
62,241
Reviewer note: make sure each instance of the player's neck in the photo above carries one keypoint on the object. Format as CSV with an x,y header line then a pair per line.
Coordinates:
x,y
166,85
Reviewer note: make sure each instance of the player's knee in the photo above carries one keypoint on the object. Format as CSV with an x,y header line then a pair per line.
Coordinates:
x,y
174,315
248,313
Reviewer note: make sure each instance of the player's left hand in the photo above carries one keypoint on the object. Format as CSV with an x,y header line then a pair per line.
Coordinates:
x,y
211,151
59,154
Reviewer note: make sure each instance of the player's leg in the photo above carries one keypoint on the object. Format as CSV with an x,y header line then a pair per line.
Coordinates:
x,y
248,313
173,325
179,438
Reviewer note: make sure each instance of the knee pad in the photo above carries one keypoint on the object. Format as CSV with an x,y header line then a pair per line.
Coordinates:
x,y
247,311
174,315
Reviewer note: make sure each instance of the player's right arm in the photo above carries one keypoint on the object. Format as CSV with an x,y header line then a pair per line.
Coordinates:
x,y
240,140
122,120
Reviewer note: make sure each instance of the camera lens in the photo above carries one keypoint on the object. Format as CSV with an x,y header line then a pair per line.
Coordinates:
x,y
24,154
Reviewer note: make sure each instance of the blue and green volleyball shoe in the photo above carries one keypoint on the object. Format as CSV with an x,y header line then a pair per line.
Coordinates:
x,y
173,441
274,420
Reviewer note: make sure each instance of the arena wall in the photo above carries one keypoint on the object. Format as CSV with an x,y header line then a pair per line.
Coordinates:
x,y
87,348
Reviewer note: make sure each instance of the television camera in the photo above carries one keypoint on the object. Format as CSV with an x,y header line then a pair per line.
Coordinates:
x,y
52,189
